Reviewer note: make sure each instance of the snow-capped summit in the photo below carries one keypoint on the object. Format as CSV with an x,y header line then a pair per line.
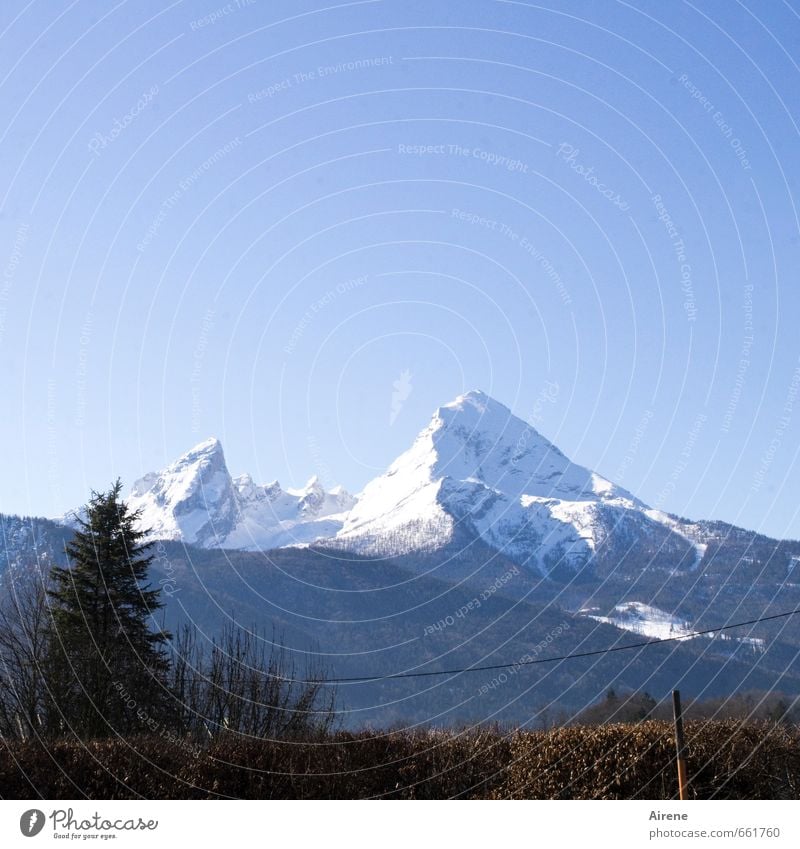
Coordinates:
x,y
477,438
196,500
477,470
193,499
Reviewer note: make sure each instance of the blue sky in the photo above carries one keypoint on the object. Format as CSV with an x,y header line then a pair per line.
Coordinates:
x,y
251,220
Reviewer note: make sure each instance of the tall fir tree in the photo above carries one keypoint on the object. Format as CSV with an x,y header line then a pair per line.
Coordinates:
x,y
106,664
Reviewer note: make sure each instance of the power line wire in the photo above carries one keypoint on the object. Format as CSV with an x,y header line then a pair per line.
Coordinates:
x,y
563,657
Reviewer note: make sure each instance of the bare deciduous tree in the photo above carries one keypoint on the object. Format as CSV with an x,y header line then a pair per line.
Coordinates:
x,y
248,685
24,617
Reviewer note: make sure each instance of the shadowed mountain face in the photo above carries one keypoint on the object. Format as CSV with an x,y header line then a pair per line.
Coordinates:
x,y
481,544
375,617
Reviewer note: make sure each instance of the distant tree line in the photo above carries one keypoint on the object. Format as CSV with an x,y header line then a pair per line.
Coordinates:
x,y
81,655
751,706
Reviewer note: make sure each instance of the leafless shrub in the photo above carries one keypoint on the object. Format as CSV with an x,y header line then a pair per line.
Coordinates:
x,y
246,684
24,617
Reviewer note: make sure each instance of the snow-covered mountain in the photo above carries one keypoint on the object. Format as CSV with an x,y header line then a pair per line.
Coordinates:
x,y
476,472
479,471
196,500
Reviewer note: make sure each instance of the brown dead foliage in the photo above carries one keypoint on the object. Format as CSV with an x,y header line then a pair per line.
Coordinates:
x,y
727,760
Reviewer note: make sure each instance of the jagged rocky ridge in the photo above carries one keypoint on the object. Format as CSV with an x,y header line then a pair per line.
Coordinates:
x,y
196,500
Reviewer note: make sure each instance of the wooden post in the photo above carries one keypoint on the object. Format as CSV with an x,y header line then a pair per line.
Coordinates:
x,y
680,743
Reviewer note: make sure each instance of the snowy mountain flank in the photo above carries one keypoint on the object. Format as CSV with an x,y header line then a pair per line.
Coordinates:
x,y
476,472
476,469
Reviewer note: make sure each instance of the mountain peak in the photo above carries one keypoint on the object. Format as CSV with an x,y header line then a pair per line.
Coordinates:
x,y
475,413
208,447
476,397
192,499
185,470
477,400
478,466
313,484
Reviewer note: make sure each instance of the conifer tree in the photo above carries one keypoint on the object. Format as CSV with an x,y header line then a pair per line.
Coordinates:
x,y
106,664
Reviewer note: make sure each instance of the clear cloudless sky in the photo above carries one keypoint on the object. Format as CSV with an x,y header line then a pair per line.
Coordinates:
x,y
302,226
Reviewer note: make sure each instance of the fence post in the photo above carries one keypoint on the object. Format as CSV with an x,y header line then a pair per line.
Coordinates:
x,y
680,743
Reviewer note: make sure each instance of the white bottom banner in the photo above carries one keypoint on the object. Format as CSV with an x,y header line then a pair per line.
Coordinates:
x,y
352,825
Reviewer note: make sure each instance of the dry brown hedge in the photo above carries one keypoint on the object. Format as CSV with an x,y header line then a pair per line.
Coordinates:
x,y
726,760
